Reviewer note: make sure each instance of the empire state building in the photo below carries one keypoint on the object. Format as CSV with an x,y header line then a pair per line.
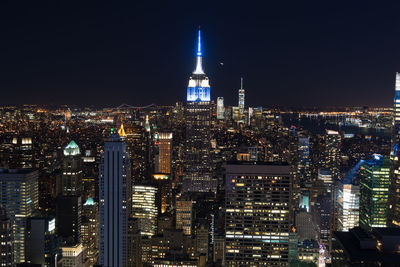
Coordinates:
x,y
197,167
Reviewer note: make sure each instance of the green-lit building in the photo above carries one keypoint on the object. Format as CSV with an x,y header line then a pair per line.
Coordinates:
x,y
374,188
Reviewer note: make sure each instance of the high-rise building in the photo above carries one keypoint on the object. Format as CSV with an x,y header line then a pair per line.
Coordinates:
x,y
348,206
184,215
257,219
393,217
197,167
16,151
164,193
136,146
304,162
6,240
69,203
42,243
68,218
71,181
241,99
374,187
163,156
90,230
332,152
220,108
144,208
115,203
19,197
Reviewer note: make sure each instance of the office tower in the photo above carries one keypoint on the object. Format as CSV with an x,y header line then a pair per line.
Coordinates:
x,y
19,197
197,167
184,214
16,151
71,181
241,100
304,162
374,187
257,219
69,203
144,208
136,146
68,218
90,230
163,196
163,145
332,152
6,240
393,217
115,203
322,208
348,206
42,243
220,108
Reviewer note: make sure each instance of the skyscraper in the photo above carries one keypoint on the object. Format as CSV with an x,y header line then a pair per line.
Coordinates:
x,y
115,203
197,168
393,219
163,155
241,99
184,210
348,206
42,243
144,208
19,197
90,230
332,152
374,187
69,204
220,108
71,182
257,219
6,240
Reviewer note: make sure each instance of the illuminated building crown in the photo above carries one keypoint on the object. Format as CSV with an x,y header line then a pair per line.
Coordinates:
x,y
199,86
71,149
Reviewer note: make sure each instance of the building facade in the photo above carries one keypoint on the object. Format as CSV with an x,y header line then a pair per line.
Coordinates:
x,y
374,188
144,209
257,214
19,197
115,203
393,218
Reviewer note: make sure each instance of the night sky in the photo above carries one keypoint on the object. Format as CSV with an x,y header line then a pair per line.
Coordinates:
x,y
290,53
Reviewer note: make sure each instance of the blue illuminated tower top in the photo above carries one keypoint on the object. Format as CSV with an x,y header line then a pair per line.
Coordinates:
x,y
199,87
199,56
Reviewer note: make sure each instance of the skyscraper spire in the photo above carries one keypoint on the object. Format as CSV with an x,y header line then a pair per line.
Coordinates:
x,y
199,54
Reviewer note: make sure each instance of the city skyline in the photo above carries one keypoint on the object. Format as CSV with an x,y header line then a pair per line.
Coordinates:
x,y
222,171
59,55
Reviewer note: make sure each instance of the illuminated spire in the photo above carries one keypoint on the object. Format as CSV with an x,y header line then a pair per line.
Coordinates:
x,y
199,54
121,131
